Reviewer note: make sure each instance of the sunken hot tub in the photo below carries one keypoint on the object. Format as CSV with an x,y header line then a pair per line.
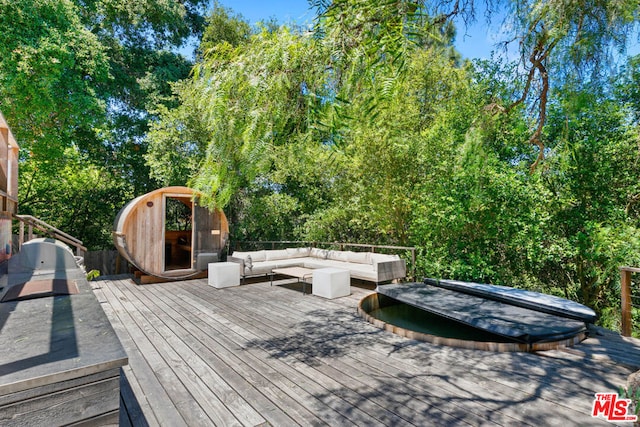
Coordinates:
x,y
477,316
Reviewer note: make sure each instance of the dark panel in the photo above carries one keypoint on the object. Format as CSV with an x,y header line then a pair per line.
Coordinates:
x,y
534,300
56,338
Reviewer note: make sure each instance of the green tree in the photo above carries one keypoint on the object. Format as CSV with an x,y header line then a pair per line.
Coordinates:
x,y
179,139
251,99
81,201
84,75
141,40
592,175
222,25
555,39
371,130
50,68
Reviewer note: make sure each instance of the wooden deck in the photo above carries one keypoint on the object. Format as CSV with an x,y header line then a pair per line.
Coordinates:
x,y
262,355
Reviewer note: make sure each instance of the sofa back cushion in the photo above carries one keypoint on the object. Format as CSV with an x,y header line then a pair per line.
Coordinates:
x,y
383,257
319,253
359,257
376,258
298,252
255,256
350,256
338,256
277,254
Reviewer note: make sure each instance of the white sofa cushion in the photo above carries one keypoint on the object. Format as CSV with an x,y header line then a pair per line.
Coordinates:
x,y
377,258
358,271
363,272
319,253
298,252
338,256
361,265
265,267
359,257
256,256
277,254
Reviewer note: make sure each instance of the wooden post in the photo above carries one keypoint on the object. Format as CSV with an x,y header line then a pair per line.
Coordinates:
x,y
625,285
413,264
21,236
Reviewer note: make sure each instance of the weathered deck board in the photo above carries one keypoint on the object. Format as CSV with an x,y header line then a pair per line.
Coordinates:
x,y
330,382
205,373
258,354
314,354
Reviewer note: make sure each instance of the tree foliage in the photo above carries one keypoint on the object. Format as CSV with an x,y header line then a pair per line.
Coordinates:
x,y
87,76
82,201
367,129
371,130
249,100
49,72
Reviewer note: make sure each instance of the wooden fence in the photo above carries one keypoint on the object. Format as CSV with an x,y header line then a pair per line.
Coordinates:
x,y
107,262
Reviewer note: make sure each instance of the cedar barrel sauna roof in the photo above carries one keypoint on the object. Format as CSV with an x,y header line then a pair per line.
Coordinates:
x,y
140,235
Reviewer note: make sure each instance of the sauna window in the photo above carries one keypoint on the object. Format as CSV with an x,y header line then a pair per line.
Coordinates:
x,y
178,235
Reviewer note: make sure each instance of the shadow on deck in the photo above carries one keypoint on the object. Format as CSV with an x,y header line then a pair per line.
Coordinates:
x,y
269,355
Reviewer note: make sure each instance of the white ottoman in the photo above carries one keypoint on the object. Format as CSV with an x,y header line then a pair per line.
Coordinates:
x,y
224,274
331,282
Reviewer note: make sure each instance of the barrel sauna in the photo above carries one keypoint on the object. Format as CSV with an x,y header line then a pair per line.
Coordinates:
x,y
166,234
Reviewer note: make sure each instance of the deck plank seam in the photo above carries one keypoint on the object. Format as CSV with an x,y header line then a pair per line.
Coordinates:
x,y
510,386
128,323
373,329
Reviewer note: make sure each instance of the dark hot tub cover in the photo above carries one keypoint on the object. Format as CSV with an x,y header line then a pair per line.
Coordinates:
x,y
518,323
534,300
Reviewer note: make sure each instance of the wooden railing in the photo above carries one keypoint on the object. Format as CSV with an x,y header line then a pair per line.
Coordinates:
x,y
626,298
32,222
340,245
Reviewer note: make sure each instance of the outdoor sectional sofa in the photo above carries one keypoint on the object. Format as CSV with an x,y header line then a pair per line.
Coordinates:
x,y
368,266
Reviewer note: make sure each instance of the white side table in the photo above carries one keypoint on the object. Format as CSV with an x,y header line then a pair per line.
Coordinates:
x,y
331,282
224,274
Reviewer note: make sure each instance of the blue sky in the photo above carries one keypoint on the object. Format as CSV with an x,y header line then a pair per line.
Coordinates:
x,y
477,41
284,10
475,44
